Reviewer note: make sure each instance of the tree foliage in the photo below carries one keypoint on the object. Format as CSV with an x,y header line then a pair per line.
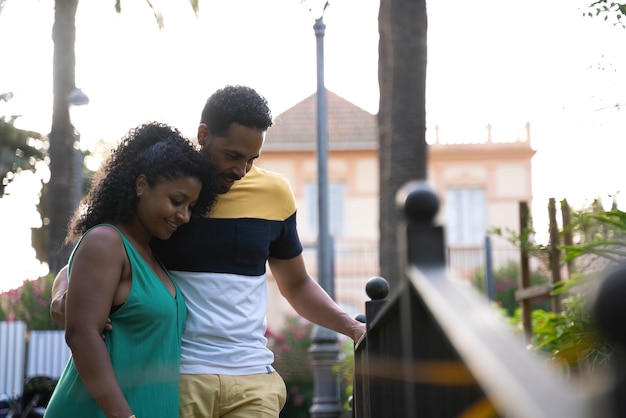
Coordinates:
x,y
19,149
608,10
571,337
601,237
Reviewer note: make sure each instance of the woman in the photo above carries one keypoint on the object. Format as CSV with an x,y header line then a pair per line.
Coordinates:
x,y
153,182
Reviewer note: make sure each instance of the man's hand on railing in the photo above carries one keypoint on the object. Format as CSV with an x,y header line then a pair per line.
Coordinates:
x,y
358,331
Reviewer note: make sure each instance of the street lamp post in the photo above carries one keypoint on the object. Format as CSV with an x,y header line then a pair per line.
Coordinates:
x,y
77,98
324,246
325,348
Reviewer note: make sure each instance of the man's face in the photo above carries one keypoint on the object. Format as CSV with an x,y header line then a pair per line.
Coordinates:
x,y
232,153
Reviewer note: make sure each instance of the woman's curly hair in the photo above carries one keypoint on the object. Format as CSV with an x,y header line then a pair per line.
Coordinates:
x,y
159,152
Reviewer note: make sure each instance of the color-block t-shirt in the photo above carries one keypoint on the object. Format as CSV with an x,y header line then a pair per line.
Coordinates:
x,y
219,263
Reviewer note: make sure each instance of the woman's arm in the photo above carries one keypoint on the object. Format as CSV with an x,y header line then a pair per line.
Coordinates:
x,y
97,270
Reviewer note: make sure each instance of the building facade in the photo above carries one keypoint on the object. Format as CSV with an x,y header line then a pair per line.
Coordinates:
x,y
479,187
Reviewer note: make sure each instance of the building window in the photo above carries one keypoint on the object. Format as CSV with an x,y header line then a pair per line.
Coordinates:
x,y
465,216
336,203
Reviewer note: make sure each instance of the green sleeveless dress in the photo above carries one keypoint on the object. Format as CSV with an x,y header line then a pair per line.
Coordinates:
x,y
144,347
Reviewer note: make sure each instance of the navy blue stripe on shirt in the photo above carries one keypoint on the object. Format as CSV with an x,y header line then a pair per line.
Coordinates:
x,y
236,246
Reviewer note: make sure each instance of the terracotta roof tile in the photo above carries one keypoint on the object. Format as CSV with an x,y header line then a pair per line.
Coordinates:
x,y
349,126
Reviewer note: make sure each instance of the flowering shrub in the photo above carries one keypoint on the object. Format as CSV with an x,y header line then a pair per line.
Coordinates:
x,y
506,280
292,362
30,303
345,370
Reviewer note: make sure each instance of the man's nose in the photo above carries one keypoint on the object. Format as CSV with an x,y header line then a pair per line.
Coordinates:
x,y
240,170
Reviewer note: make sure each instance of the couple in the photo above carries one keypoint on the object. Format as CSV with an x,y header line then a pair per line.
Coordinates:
x,y
217,262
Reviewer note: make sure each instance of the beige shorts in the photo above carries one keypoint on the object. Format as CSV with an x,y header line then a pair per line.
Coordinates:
x,y
218,395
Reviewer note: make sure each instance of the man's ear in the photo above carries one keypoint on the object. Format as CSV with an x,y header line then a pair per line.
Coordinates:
x,y
203,134
141,185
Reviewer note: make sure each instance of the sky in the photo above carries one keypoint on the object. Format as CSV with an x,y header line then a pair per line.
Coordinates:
x,y
492,62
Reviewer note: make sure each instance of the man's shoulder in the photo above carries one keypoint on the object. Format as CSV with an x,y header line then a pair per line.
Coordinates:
x,y
273,177
261,181
261,194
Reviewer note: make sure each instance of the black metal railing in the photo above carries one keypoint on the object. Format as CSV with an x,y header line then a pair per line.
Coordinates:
x,y
435,348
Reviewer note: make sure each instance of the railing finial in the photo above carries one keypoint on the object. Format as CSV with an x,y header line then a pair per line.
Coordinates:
x,y
419,201
377,288
423,242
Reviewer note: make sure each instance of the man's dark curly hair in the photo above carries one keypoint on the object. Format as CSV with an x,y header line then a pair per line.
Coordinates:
x,y
159,152
236,104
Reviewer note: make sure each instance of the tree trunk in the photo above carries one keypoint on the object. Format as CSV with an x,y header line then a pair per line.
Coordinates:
x,y
555,253
401,117
61,198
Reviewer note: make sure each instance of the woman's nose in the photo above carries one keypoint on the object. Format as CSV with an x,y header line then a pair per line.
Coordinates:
x,y
185,214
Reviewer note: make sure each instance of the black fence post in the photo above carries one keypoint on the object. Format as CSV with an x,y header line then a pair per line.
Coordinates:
x,y
377,289
364,398
421,242
490,285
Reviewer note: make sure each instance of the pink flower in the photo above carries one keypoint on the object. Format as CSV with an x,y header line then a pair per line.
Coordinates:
x,y
299,336
504,285
280,338
285,347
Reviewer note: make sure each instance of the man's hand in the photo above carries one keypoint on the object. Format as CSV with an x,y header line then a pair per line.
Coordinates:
x,y
59,292
358,331
107,328
57,304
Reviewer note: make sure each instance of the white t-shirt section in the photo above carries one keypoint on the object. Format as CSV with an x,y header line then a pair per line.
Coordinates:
x,y
226,323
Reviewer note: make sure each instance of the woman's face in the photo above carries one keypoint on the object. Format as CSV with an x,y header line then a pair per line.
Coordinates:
x,y
166,206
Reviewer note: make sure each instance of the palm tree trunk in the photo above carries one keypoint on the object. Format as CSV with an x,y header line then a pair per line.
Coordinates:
x,y
401,116
62,198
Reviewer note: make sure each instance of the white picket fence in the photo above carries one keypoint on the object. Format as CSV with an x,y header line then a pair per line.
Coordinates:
x,y
24,354
12,352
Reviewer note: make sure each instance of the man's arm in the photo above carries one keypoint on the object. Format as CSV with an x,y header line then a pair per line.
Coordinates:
x,y
57,302
310,300
59,290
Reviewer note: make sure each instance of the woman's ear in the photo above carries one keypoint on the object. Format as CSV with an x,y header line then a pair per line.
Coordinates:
x,y
141,185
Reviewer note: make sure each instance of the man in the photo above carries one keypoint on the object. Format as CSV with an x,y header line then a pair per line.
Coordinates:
x,y
219,264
